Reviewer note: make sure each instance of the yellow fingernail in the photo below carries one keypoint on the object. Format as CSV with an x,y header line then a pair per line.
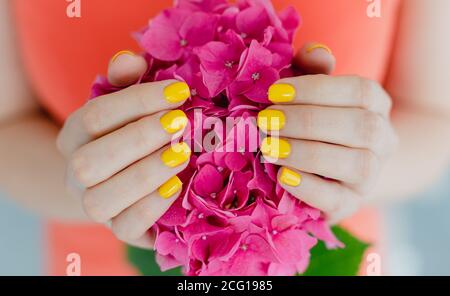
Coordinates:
x,y
177,92
171,187
281,93
271,120
290,177
176,155
174,121
275,148
315,46
128,52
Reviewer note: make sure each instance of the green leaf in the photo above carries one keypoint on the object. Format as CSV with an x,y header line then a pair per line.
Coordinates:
x,y
339,262
144,261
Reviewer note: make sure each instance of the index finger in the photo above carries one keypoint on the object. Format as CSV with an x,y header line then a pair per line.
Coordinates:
x,y
324,90
110,112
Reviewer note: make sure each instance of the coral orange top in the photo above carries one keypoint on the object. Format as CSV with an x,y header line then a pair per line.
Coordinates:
x,y
63,55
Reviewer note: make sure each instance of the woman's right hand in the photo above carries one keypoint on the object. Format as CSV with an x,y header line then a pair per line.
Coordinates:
x,y
119,161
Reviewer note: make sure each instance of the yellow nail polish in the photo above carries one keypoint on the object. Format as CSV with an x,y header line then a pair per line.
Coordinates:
x,y
176,154
315,46
290,177
275,148
171,187
271,120
174,121
281,93
177,92
128,52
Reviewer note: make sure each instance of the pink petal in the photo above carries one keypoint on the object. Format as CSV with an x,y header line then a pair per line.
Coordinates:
x,y
167,262
199,28
322,231
161,40
235,161
283,222
165,243
283,54
261,180
253,60
208,181
277,269
252,21
165,74
259,91
175,215
202,5
290,20
292,246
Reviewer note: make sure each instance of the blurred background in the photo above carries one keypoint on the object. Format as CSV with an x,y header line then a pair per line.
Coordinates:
x,y
416,233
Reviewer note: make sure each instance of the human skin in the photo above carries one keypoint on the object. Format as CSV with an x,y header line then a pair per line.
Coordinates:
x,y
32,171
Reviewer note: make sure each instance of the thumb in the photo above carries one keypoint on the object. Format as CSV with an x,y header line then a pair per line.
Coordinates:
x,y
315,58
125,68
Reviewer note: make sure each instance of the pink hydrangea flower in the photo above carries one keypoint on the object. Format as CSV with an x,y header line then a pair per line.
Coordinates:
x,y
256,74
176,31
232,217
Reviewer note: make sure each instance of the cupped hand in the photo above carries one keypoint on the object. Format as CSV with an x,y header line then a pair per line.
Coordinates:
x,y
119,161
331,135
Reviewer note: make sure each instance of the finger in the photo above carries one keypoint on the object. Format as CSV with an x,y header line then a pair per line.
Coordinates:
x,y
107,113
353,166
315,58
135,221
106,200
110,154
144,242
331,197
323,90
126,68
351,127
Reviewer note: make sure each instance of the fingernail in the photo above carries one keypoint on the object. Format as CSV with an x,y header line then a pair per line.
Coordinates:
x,y
128,52
177,92
315,46
271,120
290,177
275,148
281,93
171,187
176,154
174,121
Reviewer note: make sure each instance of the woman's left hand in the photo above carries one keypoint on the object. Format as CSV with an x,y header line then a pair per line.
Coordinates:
x,y
331,135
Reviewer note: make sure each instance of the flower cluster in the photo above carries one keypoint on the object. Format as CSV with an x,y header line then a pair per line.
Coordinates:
x,y
232,217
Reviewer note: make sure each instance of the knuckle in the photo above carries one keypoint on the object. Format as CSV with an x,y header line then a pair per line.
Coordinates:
x,y
367,90
120,231
306,122
63,138
81,168
140,92
60,144
315,155
90,119
144,138
388,104
372,129
366,166
143,174
346,205
339,200
92,208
